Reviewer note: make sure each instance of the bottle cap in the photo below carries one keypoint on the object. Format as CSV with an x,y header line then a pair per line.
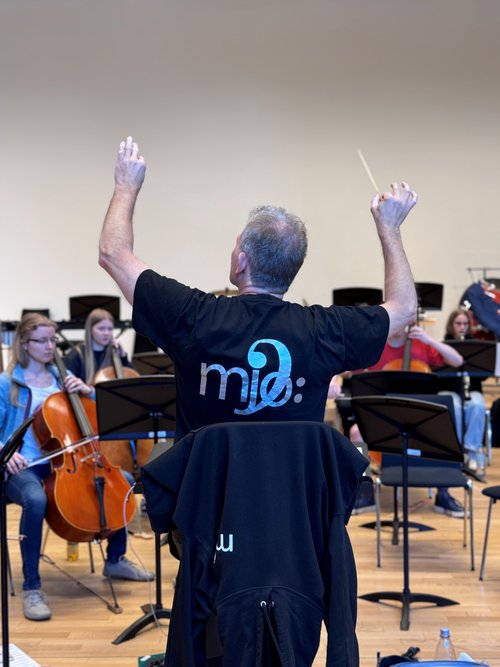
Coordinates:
x,y
445,632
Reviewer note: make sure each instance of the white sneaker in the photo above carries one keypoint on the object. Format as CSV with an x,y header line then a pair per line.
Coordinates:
x,y
471,463
36,606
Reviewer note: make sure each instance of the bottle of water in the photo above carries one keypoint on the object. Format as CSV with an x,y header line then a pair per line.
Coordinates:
x,y
72,550
444,649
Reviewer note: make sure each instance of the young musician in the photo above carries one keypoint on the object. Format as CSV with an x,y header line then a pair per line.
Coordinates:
x,y
29,380
95,352
458,327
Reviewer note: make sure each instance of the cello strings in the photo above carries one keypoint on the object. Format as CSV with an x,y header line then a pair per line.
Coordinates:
x,y
58,452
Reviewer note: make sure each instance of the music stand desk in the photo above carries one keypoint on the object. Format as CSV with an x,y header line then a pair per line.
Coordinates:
x,y
152,363
377,383
479,357
389,424
131,408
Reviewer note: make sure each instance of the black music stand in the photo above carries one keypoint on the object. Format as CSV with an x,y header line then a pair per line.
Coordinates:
x,y
131,408
377,383
387,424
81,306
357,296
6,454
479,357
429,296
152,363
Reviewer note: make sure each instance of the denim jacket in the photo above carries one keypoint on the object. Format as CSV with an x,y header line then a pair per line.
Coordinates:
x,y
12,416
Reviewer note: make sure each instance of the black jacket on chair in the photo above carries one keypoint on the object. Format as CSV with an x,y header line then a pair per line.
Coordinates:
x,y
262,509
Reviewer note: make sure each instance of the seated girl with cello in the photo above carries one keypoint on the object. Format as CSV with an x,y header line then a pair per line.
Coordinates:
x,y
30,380
99,358
96,351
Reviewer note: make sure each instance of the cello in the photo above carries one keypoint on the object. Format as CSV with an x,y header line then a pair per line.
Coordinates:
x,y
406,363
85,492
130,456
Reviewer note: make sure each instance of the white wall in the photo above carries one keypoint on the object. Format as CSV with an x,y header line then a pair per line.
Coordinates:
x,y
238,103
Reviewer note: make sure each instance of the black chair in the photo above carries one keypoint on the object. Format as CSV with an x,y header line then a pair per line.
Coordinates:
x,y
424,476
493,493
423,473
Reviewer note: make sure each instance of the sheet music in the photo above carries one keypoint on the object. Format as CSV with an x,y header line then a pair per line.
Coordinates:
x,y
18,658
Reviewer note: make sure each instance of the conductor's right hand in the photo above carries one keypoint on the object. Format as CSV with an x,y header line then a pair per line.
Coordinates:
x,y
130,166
391,208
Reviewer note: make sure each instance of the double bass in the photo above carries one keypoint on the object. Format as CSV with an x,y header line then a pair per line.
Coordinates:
x,y
85,492
130,456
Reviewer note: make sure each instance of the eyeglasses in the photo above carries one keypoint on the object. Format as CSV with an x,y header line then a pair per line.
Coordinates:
x,y
43,341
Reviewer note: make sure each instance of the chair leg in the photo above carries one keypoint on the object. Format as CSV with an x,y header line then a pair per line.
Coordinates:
x,y
91,558
9,572
377,521
395,521
466,508
486,536
487,436
471,524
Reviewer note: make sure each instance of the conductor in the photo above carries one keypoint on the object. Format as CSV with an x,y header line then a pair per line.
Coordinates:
x,y
255,356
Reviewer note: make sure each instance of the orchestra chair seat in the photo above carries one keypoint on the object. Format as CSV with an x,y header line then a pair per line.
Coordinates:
x,y
493,493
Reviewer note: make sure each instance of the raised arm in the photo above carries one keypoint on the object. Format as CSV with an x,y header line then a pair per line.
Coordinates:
x,y
389,211
116,245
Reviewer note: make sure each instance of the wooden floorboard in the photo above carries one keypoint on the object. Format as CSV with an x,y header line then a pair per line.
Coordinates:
x,y
82,629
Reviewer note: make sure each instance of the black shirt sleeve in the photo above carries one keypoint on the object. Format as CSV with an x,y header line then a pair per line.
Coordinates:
x,y
365,334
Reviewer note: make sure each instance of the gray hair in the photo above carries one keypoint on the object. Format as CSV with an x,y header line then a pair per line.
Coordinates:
x,y
275,243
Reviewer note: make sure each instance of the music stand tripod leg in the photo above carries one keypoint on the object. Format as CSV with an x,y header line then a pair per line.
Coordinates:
x,y
134,408
377,408
11,446
152,612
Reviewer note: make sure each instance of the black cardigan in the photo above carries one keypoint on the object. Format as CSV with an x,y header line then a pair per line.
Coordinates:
x,y
262,509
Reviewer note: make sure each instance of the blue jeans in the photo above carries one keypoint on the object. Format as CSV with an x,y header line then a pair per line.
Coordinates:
x,y
26,490
474,417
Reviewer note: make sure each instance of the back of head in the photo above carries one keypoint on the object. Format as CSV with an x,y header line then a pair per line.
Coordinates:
x,y
275,243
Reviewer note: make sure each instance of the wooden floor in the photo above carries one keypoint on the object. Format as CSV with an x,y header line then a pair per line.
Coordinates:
x,y
82,629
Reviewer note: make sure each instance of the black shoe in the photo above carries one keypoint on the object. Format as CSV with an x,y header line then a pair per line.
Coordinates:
x,y
363,504
365,500
446,504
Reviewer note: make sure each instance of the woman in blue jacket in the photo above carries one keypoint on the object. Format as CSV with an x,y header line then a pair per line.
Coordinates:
x,y
30,379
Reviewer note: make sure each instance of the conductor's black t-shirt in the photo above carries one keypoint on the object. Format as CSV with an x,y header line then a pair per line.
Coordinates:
x,y
253,357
